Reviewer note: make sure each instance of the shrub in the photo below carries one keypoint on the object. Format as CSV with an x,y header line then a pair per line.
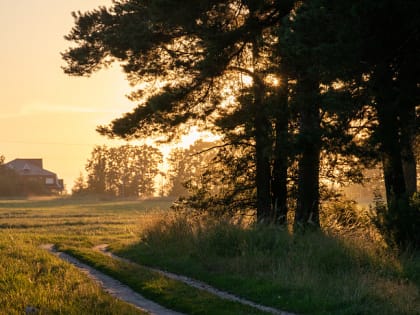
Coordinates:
x,y
399,222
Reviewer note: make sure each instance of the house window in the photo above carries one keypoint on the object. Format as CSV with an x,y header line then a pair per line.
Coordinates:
x,y
26,168
49,181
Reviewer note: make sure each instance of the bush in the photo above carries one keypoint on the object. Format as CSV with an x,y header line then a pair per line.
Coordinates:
x,y
399,222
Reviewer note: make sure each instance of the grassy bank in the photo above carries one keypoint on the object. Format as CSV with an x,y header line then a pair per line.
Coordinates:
x,y
309,274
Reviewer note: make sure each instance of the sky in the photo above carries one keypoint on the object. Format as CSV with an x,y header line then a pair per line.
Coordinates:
x,y
45,113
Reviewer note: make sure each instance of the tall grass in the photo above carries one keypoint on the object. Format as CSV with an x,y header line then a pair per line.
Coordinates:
x,y
314,273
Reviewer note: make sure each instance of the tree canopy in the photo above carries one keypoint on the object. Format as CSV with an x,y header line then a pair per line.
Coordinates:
x,y
124,171
299,90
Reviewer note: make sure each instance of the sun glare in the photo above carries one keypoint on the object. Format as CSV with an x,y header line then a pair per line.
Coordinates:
x,y
195,135
272,80
247,80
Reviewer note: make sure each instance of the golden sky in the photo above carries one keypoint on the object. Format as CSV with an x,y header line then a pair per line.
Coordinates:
x,y
45,113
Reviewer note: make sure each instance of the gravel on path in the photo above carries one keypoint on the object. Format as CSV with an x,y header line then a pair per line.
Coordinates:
x,y
200,285
114,287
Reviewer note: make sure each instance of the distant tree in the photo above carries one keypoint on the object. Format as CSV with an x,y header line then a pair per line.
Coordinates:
x,y
97,169
79,186
132,170
9,181
125,171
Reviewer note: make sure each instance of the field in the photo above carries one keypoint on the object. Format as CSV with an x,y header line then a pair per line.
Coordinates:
x,y
29,276
311,274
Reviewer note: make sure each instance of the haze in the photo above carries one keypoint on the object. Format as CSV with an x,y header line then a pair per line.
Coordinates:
x,y
45,113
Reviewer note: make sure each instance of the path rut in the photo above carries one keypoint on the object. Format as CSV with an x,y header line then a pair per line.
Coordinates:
x,y
124,293
114,287
199,285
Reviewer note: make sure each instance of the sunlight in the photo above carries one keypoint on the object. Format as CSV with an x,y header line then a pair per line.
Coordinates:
x,y
246,80
272,80
195,135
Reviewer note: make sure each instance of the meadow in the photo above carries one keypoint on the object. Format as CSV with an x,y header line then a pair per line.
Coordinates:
x,y
30,276
314,273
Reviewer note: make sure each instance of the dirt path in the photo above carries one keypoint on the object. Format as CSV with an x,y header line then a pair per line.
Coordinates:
x,y
200,285
114,287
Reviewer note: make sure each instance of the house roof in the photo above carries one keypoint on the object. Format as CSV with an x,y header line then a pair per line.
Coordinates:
x,y
29,167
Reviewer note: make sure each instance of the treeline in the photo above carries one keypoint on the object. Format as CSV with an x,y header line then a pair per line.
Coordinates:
x,y
125,171
9,181
304,93
139,171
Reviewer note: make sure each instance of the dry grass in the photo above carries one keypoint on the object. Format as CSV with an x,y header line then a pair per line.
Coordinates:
x,y
314,273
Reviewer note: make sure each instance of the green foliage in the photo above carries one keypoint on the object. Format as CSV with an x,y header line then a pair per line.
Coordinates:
x,y
211,51
399,222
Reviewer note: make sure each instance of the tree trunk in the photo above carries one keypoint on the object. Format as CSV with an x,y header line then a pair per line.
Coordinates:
x,y
408,89
262,136
280,166
262,156
393,173
394,135
307,210
389,134
409,165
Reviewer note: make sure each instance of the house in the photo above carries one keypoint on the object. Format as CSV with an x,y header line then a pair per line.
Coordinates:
x,y
33,178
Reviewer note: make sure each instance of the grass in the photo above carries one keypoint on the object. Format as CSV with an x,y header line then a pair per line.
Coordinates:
x,y
76,227
30,277
80,221
313,273
167,292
